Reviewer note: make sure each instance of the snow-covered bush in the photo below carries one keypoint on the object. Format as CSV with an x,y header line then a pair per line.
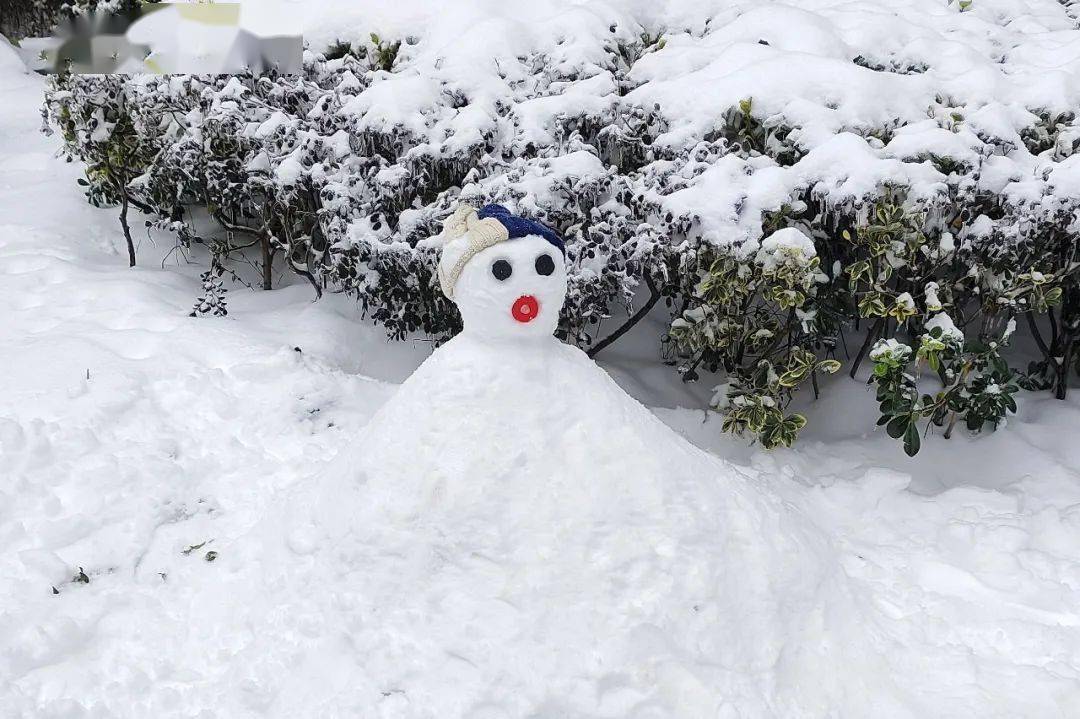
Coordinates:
x,y
754,318
100,127
976,383
37,18
23,18
773,323
212,301
783,180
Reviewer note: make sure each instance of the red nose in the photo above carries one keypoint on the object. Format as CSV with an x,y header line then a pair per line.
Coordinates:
x,y
525,308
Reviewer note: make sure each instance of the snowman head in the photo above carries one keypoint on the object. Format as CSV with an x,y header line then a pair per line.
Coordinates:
x,y
506,274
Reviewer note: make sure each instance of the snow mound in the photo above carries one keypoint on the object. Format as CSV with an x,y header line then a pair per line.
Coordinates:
x,y
542,543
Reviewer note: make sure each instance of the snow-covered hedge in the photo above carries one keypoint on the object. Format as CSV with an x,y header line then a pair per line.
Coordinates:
x,y
781,178
37,18
23,18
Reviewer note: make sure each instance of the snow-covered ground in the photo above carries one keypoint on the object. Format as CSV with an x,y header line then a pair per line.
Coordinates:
x,y
152,455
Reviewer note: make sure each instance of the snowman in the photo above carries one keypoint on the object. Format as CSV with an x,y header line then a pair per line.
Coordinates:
x,y
519,537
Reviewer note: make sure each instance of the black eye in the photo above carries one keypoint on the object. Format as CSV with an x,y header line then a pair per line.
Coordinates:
x,y
501,269
545,265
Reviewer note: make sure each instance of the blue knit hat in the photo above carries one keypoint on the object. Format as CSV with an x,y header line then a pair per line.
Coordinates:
x,y
517,226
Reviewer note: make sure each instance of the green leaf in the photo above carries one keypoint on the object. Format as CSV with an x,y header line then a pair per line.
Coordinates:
x,y
911,440
795,422
897,426
791,377
829,366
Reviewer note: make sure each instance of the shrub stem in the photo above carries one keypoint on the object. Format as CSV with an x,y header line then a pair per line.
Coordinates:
x,y
126,227
654,297
871,335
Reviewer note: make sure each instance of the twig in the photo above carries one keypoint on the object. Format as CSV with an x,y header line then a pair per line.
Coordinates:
x,y
654,297
871,335
1037,335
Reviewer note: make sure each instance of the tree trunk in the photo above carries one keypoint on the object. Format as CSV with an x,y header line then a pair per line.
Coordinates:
x,y
127,229
1062,385
1068,337
267,261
